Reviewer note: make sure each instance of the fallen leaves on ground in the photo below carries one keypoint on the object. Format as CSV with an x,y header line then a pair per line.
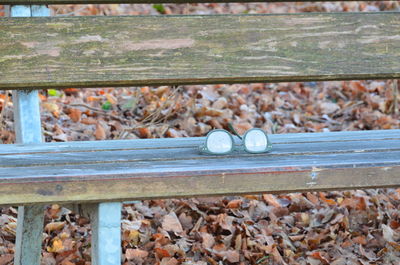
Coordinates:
x,y
352,227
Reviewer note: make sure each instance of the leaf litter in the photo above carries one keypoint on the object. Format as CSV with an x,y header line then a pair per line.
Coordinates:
x,y
351,227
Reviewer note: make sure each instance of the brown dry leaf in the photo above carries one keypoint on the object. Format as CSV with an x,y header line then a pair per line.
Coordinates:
x,y
243,127
133,237
320,256
220,103
50,227
171,223
387,233
67,262
186,221
208,240
173,250
169,261
219,247
100,133
71,91
271,200
11,228
329,107
162,253
111,98
328,201
234,204
277,256
144,132
55,211
370,255
47,259
358,86
75,114
6,259
56,246
206,111
51,107
230,255
89,121
395,245
312,198
135,253
360,240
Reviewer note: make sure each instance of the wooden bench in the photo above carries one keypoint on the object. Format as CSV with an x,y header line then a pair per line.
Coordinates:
x,y
61,52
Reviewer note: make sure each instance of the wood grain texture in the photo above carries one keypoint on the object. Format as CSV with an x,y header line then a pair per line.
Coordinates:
x,y
163,170
140,144
60,2
173,50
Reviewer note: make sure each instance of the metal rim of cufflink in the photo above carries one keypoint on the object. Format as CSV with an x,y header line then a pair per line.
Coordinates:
x,y
221,142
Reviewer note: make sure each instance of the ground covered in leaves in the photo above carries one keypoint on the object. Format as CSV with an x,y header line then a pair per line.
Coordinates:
x,y
352,227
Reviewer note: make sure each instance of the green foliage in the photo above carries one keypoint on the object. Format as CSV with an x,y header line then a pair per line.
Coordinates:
x,y
54,93
106,105
160,8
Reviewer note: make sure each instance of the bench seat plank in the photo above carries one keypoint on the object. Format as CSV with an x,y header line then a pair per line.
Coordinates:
x,y
174,50
176,171
107,145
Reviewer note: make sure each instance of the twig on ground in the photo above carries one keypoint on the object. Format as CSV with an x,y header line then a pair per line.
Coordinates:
x,y
348,108
96,110
395,94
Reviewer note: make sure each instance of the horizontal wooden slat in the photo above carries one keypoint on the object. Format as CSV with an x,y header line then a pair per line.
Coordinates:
x,y
179,153
184,142
298,162
173,50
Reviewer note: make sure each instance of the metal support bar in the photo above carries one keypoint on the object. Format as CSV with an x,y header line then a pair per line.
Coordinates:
x,y
28,243
105,219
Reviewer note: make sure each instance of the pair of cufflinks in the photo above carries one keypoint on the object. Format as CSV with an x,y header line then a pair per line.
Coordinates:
x,y
221,142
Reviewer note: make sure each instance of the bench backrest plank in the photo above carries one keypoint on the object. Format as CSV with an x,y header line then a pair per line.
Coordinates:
x,y
130,51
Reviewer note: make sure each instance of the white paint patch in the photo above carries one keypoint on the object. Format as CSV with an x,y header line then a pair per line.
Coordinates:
x,y
31,44
89,38
366,27
376,39
165,44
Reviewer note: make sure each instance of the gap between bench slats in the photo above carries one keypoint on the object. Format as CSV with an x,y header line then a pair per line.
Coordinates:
x,y
173,50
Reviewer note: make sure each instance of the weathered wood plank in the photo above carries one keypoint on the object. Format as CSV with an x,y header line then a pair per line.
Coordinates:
x,y
61,2
163,143
202,183
289,167
190,152
28,242
267,163
173,50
